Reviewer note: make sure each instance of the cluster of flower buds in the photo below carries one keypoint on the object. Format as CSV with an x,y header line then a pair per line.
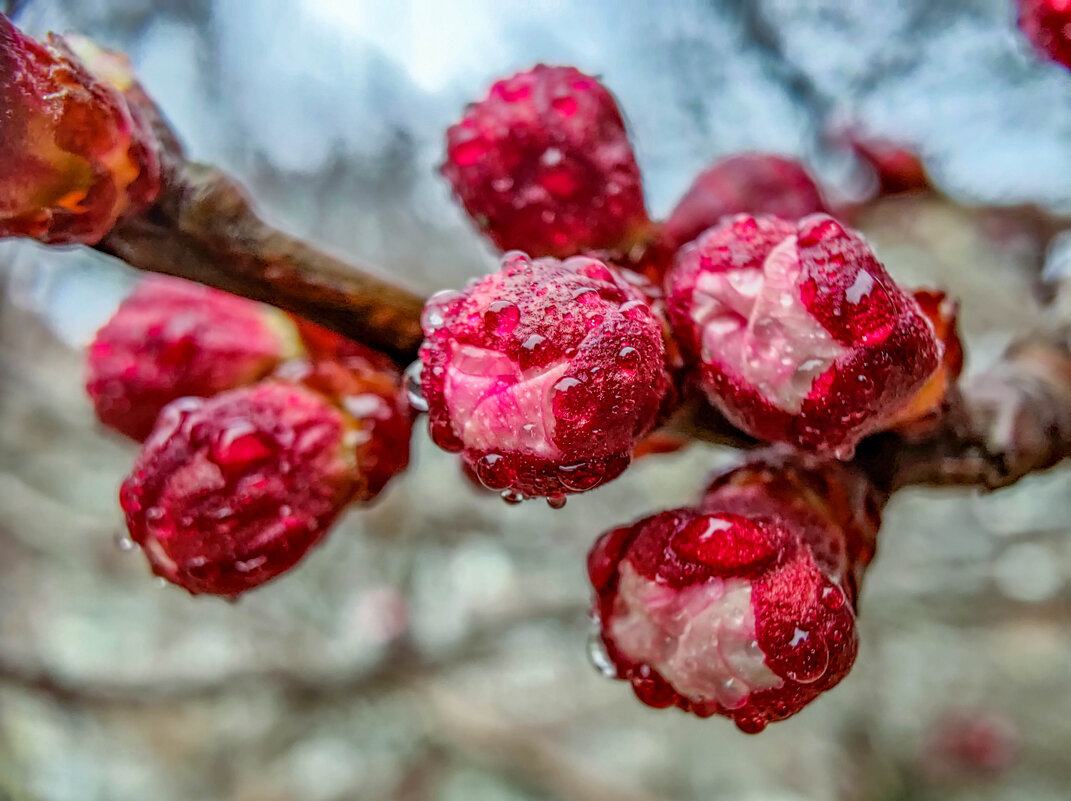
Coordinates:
x,y
75,155
744,605
547,375
260,431
784,317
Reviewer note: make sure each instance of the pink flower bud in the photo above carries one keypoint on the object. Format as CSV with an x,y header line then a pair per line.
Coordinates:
x,y
543,374
797,332
172,338
231,491
543,164
748,183
1047,24
745,606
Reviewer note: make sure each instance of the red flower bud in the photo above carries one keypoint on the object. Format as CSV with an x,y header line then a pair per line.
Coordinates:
x,y
897,169
745,606
172,338
231,491
74,156
543,374
798,333
748,183
367,386
1047,24
543,164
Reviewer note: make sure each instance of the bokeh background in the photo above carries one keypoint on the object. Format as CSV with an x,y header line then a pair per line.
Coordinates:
x,y
435,646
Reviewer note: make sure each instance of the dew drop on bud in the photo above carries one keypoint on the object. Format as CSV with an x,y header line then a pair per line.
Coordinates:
x,y
628,358
160,583
124,543
501,317
512,496
414,390
635,310
434,315
844,452
832,597
556,501
598,657
494,472
810,658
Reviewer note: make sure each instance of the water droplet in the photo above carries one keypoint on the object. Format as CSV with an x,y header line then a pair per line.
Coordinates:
x,y
810,658
533,342
159,582
581,476
566,384
435,310
636,310
501,317
431,319
556,501
124,543
551,156
864,282
844,452
512,496
239,445
628,357
493,471
832,597
599,659
414,389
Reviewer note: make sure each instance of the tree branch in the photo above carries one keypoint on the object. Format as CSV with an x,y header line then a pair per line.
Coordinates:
x,y
1011,420
203,228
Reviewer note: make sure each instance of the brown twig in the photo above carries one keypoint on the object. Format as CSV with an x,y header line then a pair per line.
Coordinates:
x,y
1011,420
203,228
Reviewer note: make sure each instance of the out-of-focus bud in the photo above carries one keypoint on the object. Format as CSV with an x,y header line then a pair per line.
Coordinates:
x,y
1047,24
74,156
172,338
747,183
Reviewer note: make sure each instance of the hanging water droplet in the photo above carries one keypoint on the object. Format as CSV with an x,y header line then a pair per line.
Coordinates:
x,y
512,496
124,543
598,657
160,582
414,389
556,501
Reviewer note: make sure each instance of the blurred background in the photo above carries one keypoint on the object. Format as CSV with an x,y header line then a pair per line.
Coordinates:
x,y
435,646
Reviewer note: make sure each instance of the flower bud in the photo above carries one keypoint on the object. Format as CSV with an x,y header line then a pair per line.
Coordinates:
x,y
544,374
796,331
543,164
